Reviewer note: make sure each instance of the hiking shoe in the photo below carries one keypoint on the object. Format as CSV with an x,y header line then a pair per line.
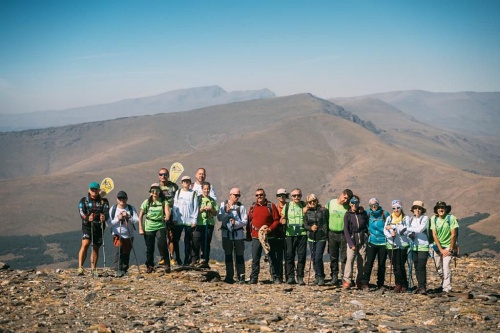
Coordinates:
x,y
321,282
162,262
150,269
228,280
333,282
421,291
93,272
277,281
168,269
79,271
203,264
364,286
253,281
403,289
397,288
119,274
346,285
291,281
300,281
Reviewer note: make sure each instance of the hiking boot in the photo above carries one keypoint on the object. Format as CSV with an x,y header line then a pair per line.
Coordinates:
x,y
321,282
172,262
79,271
168,270
403,289
421,291
119,274
397,288
300,281
333,282
291,281
253,281
228,280
161,263
150,269
364,287
93,272
346,285
203,264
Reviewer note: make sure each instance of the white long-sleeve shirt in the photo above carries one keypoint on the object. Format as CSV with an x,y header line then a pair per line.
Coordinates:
x,y
123,229
185,207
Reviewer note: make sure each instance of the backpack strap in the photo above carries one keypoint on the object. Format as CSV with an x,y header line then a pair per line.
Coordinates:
x,y
113,211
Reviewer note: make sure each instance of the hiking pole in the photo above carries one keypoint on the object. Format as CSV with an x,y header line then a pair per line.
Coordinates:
x,y
105,273
392,260
310,260
410,267
120,249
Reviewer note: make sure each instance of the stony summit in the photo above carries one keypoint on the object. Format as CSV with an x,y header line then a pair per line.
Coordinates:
x,y
195,300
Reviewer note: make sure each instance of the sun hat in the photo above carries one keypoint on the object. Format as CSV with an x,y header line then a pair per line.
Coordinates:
x,y
442,204
185,178
397,203
281,191
420,204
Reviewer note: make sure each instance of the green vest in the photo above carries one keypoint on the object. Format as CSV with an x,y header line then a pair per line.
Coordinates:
x,y
294,219
336,218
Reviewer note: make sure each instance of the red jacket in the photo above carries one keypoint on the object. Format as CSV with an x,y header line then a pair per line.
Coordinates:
x,y
259,215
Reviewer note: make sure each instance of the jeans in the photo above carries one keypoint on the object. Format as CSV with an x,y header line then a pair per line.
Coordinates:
x,y
295,246
238,248
337,247
199,246
188,234
372,251
149,238
317,249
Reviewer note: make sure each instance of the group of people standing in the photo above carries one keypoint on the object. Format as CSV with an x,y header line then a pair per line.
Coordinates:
x,y
281,230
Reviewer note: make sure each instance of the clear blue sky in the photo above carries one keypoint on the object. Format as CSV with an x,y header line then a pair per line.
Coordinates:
x,y
61,54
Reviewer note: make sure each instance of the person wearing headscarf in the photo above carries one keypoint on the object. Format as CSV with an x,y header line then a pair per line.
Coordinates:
x,y
397,244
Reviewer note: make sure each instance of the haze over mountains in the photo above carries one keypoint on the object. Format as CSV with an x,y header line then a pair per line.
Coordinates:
x,y
295,141
172,101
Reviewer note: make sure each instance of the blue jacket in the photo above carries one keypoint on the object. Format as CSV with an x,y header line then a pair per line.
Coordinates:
x,y
376,224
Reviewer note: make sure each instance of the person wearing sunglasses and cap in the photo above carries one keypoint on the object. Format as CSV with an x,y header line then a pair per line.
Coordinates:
x,y
356,234
168,189
94,211
397,244
444,228
279,232
233,217
376,246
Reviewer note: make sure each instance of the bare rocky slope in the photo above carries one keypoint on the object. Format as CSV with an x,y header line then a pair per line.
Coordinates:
x,y
57,300
295,141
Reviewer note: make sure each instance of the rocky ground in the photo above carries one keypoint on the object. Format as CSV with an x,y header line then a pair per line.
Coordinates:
x,y
196,301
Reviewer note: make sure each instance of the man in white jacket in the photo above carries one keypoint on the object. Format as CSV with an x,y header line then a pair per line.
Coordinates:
x,y
185,216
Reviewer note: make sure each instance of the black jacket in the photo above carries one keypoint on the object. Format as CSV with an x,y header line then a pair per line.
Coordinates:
x,y
319,217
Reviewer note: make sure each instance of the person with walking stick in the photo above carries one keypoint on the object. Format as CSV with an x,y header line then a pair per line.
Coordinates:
x,y
94,211
397,242
356,234
316,223
418,226
123,218
202,233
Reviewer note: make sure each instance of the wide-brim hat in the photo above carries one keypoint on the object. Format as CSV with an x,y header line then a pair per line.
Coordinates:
x,y
442,204
420,204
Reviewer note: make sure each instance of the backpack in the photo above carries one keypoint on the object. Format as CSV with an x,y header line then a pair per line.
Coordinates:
x,y
195,195
430,235
249,226
113,211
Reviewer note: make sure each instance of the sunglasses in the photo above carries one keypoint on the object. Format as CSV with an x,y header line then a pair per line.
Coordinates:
x,y
155,191
419,208
313,201
163,174
259,195
396,208
236,195
296,195
373,205
282,195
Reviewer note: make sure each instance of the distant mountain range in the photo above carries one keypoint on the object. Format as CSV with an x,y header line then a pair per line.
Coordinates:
x,y
173,101
322,147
